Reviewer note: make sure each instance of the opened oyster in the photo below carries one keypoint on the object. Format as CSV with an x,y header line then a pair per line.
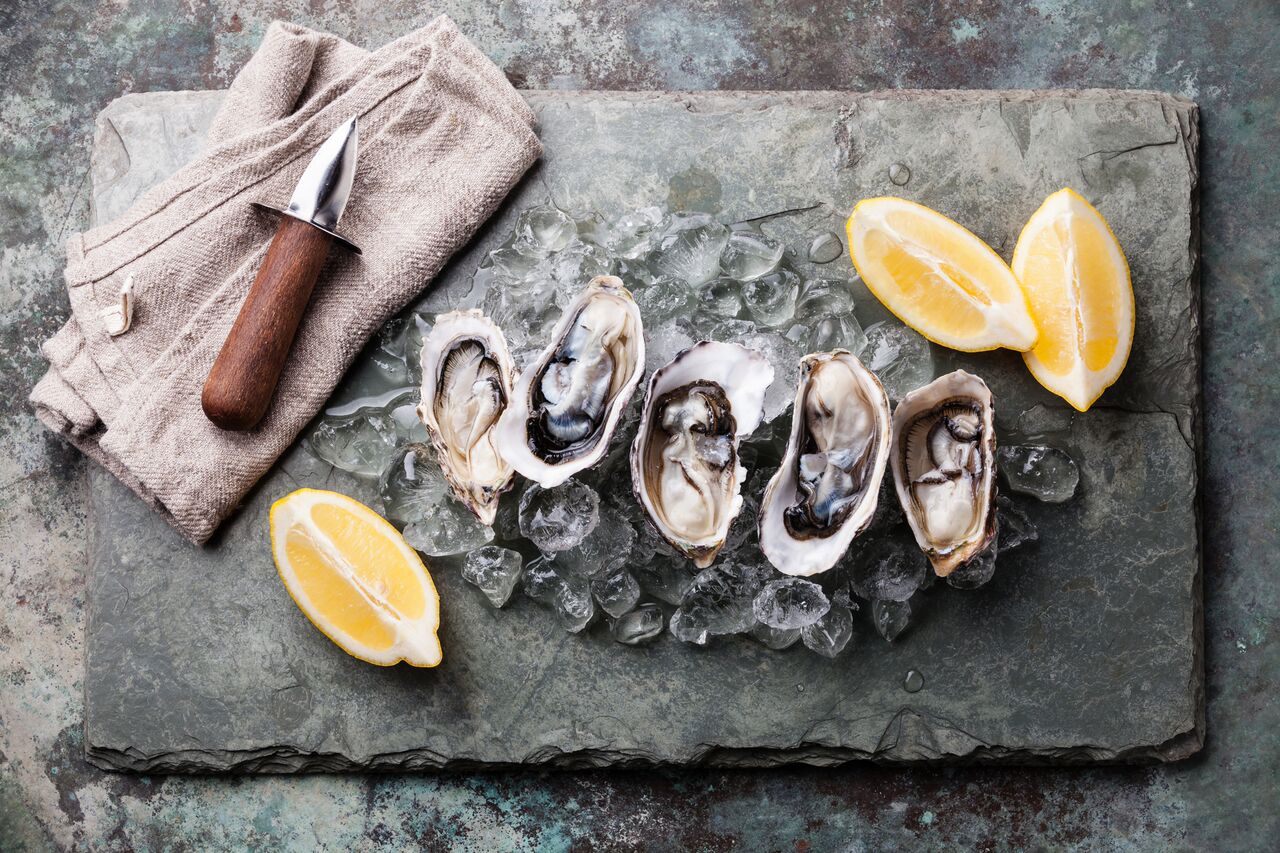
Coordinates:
x,y
568,402
943,458
684,461
466,386
826,490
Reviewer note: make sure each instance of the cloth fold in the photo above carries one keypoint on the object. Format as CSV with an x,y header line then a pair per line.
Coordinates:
x,y
443,139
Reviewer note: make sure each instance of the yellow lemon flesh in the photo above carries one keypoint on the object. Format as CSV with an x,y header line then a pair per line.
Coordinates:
x,y
355,578
1077,284
938,277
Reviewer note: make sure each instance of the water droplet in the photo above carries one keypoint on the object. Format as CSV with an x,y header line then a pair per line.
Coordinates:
x,y
899,174
799,688
913,682
825,248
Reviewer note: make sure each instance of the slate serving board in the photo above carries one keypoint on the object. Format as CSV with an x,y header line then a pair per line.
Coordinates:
x,y
1085,648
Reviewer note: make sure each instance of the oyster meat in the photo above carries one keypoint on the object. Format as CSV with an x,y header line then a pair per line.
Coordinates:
x,y
943,458
466,386
568,402
826,490
684,462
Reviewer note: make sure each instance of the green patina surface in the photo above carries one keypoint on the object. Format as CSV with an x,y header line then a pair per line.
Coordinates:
x,y
65,61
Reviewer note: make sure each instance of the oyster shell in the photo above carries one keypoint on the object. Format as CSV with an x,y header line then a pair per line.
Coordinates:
x,y
943,457
466,385
568,402
826,489
684,461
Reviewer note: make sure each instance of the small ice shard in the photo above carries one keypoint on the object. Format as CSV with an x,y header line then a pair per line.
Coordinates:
x,y
569,598
890,570
412,485
822,296
899,357
1041,420
770,299
510,262
639,626
1015,528
1044,473
719,600
748,255
576,264
692,254
722,297
663,299
361,436
890,617
448,528
825,248
666,577
556,519
830,634
790,603
837,331
616,591
543,230
494,571
775,638
977,571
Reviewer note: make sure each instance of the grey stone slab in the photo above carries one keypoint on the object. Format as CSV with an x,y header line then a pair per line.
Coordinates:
x,y
1086,648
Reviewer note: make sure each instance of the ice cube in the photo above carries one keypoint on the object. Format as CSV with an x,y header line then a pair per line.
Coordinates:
x,y
632,235
363,435
1044,473
665,297
977,571
837,331
1041,420
494,571
692,254
1015,528
825,248
616,591
606,546
771,298
412,484
891,569
831,634
785,357
663,344
556,519
748,255
822,296
448,528
899,357
687,629
790,603
721,297
543,230
512,263
667,578
573,267
890,617
639,626
569,598
775,638
719,600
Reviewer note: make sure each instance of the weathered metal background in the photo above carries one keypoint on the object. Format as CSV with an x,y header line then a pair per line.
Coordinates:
x,y
64,61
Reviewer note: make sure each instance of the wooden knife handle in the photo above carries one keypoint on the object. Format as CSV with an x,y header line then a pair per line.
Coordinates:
x,y
243,380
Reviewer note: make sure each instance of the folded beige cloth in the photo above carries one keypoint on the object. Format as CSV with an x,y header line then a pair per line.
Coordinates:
x,y
443,139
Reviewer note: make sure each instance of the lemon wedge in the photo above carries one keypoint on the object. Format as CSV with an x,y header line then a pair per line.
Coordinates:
x,y
1077,284
938,277
355,578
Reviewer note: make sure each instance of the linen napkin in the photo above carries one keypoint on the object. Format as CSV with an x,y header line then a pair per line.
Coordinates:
x,y
443,139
